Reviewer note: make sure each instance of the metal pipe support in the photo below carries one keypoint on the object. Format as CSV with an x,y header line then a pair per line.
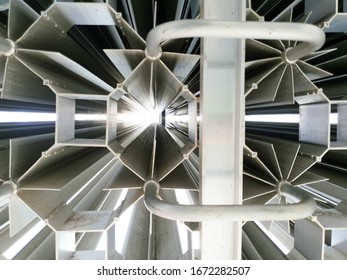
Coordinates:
x,y
304,206
311,37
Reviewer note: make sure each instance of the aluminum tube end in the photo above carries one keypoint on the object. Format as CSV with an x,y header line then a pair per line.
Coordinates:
x,y
153,55
152,185
282,184
7,47
286,58
8,187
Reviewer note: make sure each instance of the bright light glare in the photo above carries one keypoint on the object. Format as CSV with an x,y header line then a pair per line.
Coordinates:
x,y
7,117
152,117
90,117
277,118
131,118
144,117
183,235
177,119
123,226
283,118
182,198
13,116
333,118
141,117
11,252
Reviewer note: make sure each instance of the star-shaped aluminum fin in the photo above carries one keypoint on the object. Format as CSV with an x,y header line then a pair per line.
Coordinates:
x,y
181,65
281,83
19,83
270,161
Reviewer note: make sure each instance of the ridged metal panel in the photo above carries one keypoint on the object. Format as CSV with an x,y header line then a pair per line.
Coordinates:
x,y
73,57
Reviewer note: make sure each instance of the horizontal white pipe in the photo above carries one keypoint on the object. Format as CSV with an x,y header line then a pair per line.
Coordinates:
x,y
311,37
303,207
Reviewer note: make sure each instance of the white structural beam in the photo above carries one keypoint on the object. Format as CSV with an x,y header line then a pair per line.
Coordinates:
x,y
222,129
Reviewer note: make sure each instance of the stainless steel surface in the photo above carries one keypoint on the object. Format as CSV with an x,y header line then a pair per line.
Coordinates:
x,y
22,84
25,151
178,120
21,17
125,60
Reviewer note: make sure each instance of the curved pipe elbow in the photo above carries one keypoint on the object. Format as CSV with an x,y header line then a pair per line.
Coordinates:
x,y
303,207
311,37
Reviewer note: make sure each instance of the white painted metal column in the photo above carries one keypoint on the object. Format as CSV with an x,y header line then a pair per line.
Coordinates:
x,y
222,129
